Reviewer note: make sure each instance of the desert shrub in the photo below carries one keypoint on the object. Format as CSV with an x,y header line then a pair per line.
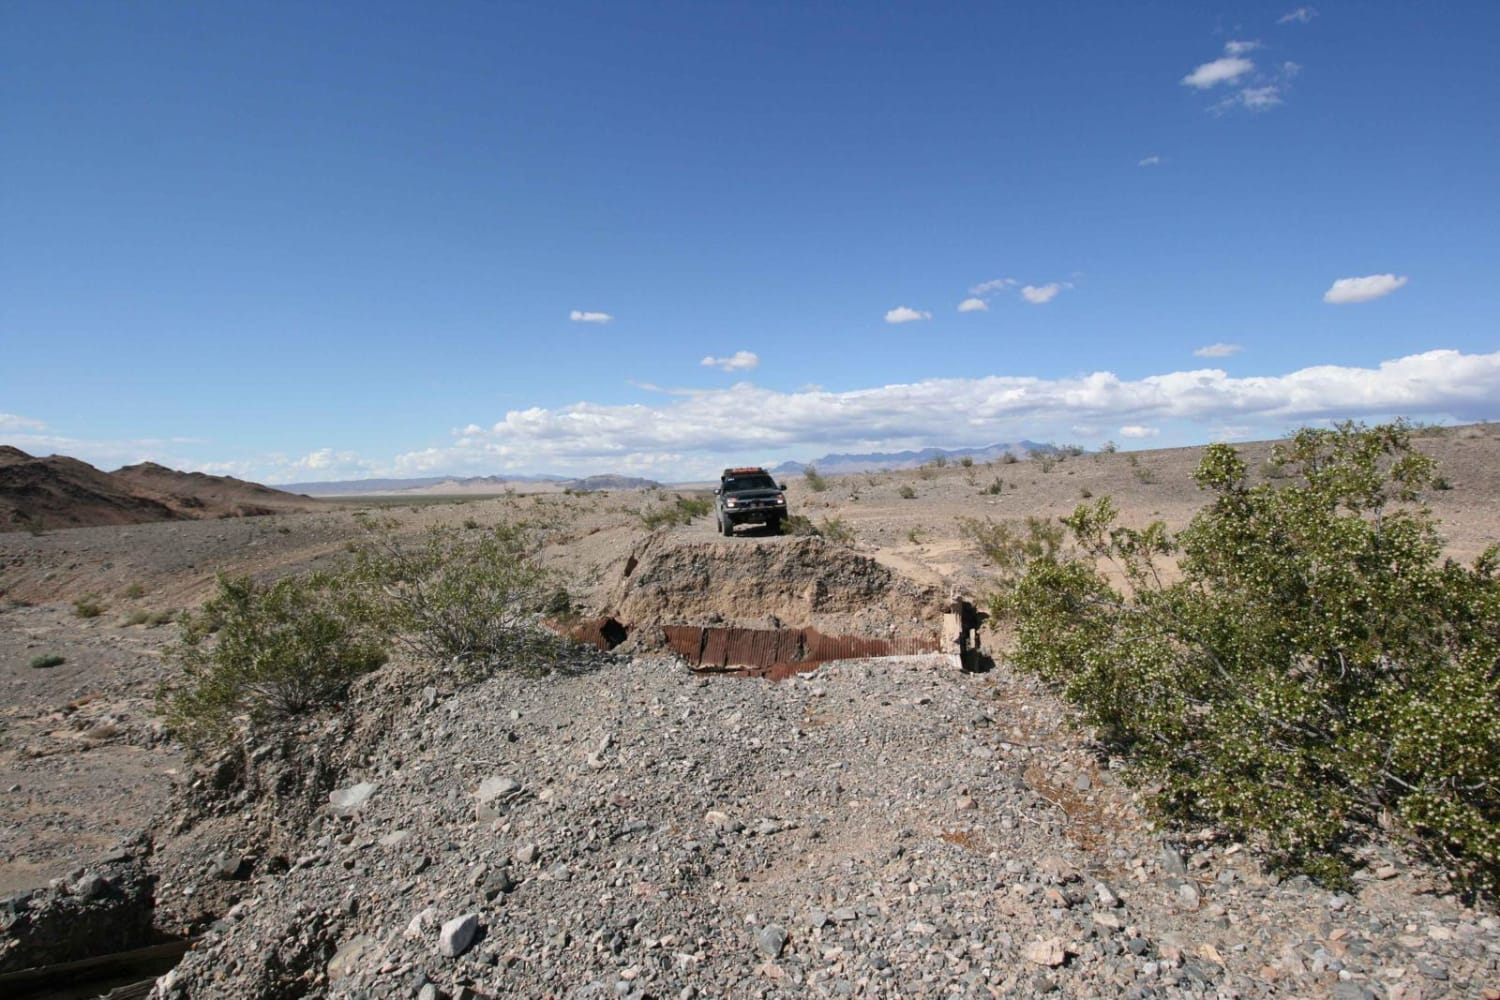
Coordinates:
x,y
1045,460
46,661
1144,475
137,617
1010,546
1315,672
265,652
836,530
966,461
815,480
1009,458
682,511
907,492
470,597
1108,448
1069,451
994,488
1441,483
135,592
798,524
88,606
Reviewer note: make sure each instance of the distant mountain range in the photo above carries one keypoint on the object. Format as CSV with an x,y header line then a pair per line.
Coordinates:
x,y
475,485
61,492
878,461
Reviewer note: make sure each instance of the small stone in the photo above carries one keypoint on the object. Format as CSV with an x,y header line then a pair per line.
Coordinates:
x,y
226,865
457,934
394,838
90,886
1049,953
1171,861
770,940
347,801
1106,896
528,854
351,955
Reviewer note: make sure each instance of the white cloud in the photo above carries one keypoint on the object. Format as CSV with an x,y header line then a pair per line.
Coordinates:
x,y
682,437
1042,294
975,305
738,361
1224,70
1138,431
993,285
579,316
1299,16
901,314
1150,161
1260,98
1371,286
1240,48
10,422
1218,350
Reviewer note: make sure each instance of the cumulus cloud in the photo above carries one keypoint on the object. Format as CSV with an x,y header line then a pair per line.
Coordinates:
x,y
902,314
578,316
993,285
1223,70
1299,16
1218,350
1041,294
1138,431
1149,161
685,436
1240,48
1371,286
974,305
738,361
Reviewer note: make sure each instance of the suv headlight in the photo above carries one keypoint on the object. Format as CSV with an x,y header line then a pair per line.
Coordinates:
x,y
780,499
731,502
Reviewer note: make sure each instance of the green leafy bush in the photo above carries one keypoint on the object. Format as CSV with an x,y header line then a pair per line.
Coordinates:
x,y
472,597
836,530
263,652
682,511
1010,546
798,524
88,606
1316,671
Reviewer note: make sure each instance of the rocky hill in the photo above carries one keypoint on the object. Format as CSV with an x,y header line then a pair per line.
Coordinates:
x,y
61,492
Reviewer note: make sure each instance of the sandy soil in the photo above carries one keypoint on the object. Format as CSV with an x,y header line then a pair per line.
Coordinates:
x,y
82,761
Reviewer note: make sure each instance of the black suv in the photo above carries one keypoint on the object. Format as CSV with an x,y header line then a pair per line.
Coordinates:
x,y
750,496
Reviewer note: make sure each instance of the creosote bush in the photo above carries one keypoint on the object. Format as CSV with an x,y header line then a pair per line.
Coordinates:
x,y
836,530
1317,672
264,652
682,511
468,597
815,480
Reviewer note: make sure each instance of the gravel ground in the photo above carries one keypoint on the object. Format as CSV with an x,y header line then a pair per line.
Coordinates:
x,y
878,828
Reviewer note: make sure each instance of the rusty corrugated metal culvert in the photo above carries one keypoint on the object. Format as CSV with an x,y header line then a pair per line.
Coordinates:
x,y
755,652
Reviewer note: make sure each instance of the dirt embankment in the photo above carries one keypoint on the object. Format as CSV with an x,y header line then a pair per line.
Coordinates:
x,y
770,583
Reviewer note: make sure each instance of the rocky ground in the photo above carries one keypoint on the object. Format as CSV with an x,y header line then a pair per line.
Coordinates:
x,y
887,827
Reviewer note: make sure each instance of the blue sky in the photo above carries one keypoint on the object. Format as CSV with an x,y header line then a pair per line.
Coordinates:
x,y
329,240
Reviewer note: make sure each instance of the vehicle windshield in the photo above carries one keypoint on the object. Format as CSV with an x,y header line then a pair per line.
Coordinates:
x,y
738,483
